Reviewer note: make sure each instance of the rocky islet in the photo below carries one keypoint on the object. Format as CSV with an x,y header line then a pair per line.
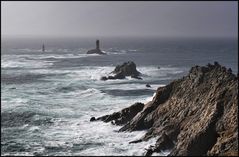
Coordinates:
x,y
121,71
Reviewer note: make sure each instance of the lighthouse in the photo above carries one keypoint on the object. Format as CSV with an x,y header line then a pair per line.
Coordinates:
x,y
43,48
97,49
97,44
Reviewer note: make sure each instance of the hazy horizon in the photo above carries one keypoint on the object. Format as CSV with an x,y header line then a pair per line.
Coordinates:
x,y
119,19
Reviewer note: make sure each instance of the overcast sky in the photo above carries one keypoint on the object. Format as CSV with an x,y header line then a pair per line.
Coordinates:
x,y
118,18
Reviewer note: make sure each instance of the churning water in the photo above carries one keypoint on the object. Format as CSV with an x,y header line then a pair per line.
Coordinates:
x,y
47,98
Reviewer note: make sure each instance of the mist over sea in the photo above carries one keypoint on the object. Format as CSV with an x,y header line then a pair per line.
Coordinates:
x,y
47,98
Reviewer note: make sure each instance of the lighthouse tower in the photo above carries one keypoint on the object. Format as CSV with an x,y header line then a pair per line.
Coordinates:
x,y
43,48
97,44
97,49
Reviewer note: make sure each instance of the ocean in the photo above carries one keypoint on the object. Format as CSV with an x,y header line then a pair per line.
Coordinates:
x,y
48,98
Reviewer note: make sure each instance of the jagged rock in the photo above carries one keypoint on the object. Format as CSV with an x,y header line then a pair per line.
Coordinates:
x,y
127,69
92,119
96,50
104,78
136,77
124,115
164,142
195,115
121,71
147,85
119,75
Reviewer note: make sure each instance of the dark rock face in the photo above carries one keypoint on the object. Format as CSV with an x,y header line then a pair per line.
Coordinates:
x,y
123,116
127,69
121,71
92,119
95,51
195,115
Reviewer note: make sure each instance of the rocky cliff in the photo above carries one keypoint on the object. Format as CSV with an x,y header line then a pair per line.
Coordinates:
x,y
194,115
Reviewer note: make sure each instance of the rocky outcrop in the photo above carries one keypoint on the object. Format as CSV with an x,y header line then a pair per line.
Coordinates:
x,y
123,116
96,50
126,69
194,115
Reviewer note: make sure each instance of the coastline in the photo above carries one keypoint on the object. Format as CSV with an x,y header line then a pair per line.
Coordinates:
x,y
194,115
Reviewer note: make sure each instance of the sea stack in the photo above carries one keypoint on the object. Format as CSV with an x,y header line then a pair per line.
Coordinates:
x,y
121,71
96,50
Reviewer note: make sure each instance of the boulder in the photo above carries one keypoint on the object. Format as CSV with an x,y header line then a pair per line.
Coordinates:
x,y
127,69
92,119
121,71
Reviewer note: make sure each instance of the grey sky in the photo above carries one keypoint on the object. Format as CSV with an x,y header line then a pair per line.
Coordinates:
x,y
142,18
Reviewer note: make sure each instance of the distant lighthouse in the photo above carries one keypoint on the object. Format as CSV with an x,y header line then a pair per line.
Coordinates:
x,y
97,49
43,48
97,44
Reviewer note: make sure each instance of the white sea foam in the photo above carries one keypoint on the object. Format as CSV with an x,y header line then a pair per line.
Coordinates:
x,y
162,153
18,154
26,50
13,102
91,92
24,63
101,140
86,73
34,128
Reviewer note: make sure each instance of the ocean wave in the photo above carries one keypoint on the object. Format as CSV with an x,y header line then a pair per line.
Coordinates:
x,y
71,87
26,50
55,56
91,92
89,72
24,63
120,51
13,119
115,143
15,148
22,78
131,92
13,102
158,71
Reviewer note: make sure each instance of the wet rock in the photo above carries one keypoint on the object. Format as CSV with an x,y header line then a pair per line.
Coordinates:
x,y
147,85
124,115
119,75
193,116
126,69
136,77
163,143
92,119
96,51
104,78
